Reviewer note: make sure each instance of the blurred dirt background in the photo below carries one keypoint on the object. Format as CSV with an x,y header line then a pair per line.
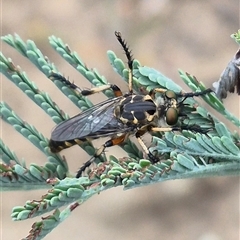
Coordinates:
x,y
166,35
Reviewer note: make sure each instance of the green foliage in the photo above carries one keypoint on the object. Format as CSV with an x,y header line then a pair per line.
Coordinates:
x,y
184,155
236,36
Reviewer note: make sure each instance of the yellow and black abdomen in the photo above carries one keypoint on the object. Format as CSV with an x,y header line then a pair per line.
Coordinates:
x,y
57,146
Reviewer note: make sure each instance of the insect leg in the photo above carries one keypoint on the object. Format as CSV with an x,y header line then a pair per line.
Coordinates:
x,y
155,90
138,135
193,128
115,88
171,94
129,58
99,151
194,94
151,157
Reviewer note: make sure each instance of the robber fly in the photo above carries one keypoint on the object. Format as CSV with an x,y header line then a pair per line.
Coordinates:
x,y
121,116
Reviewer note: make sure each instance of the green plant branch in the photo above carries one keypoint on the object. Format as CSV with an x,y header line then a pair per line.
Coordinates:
x,y
120,173
68,190
236,36
42,99
21,80
74,60
211,99
29,132
8,155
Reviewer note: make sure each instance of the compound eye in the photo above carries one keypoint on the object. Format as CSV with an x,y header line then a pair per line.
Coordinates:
x,y
171,116
170,94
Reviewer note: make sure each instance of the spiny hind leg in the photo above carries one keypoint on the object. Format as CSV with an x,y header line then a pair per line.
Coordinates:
x,y
116,90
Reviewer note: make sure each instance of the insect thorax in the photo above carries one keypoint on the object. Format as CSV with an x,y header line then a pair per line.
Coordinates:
x,y
136,110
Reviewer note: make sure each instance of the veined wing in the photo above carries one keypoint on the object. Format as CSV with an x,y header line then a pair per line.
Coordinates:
x,y
98,121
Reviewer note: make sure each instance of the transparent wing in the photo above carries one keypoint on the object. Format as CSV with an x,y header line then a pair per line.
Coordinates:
x,y
97,121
